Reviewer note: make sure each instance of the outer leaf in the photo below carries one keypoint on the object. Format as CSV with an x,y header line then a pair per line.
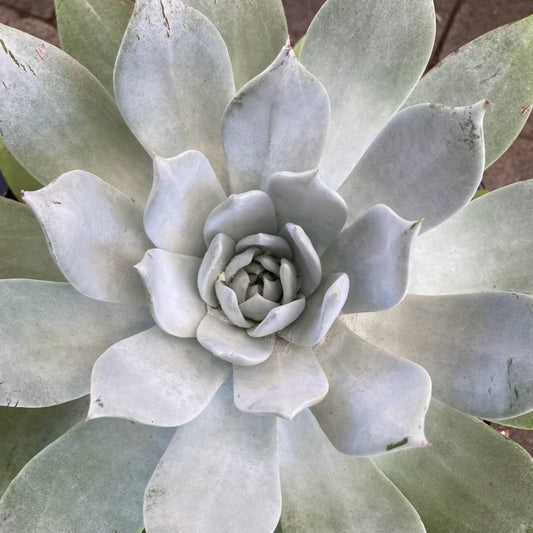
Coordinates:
x,y
95,234
374,251
23,247
486,246
73,484
426,163
253,30
91,32
325,490
14,173
173,80
25,432
523,421
290,380
368,55
277,122
478,348
454,488
154,378
376,401
498,66
51,337
220,473
57,117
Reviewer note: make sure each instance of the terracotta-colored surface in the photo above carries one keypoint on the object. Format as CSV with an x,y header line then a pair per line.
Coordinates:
x,y
458,22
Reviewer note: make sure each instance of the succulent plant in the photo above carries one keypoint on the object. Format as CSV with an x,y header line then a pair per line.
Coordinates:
x,y
267,271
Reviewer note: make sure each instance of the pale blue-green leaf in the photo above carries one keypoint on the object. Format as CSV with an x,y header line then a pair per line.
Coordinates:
x,y
241,215
257,307
184,192
95,234
276,122
279,318
306,260
369,56
304,199
227,299
25,432
51,337
290,380
57,117
325,490
91,32
154,378
253,30
321,310
15,175
232,343
272,244
23,249
426,163
498,66
522,421
170,280
91,479
217,257
374,251
376,401
478,348
486,246
470,479
219,473
173,80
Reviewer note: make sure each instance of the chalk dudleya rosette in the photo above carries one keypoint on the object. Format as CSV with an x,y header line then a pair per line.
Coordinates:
x,y
238,263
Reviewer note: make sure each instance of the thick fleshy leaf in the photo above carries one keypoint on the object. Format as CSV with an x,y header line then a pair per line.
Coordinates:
x,y
321,310
277,319
227,298
306,260
276,122
374,251
25,432
219,473
376,401
95,234
14,174
219,254
497,66
290,380
524,421
232,343
486,246
170,281
454,488
304,199
368,55
254,31
154,378
426,163
325,490
275,245
241,215
184,192
173,80
23,247
66,119
51,337
73,484
91,32
476,347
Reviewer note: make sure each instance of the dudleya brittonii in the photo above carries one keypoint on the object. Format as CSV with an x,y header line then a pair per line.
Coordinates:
x,y
246,255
